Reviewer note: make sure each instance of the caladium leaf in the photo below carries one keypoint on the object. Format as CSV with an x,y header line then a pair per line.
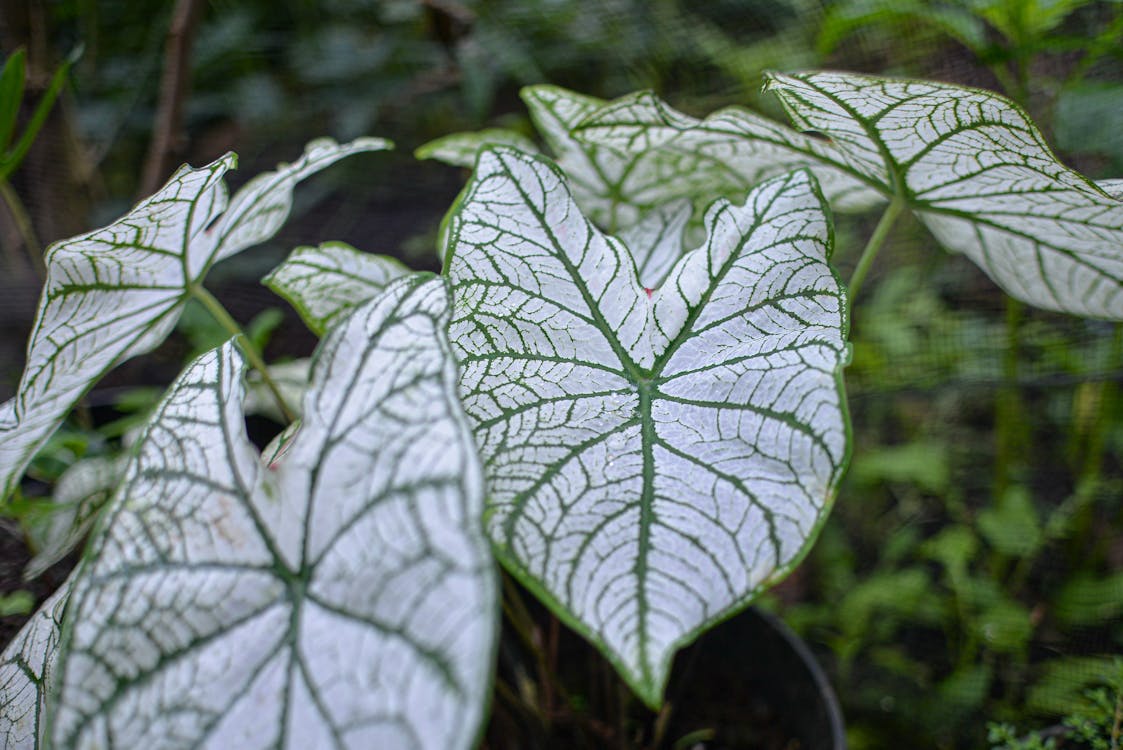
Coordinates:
x,y
116,292
27,671
971,165
79,496
342,597
627,158
979,175
596,174
460,149
326,281
657,241
1114,188
654,458
725,154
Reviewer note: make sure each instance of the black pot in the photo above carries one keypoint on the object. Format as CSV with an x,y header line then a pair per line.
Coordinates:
x,y
753,683
747,684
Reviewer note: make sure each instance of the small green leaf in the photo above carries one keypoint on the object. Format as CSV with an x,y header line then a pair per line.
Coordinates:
x,y
19,602
962,693
325,282
1004,627
955,548
261,328
655,458
116,292
12,157
904,594
291,379
1012,525
1087,600
340,596
1061,683
922,462
12,78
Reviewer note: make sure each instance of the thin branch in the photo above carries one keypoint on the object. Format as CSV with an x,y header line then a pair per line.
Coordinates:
x,y
167,136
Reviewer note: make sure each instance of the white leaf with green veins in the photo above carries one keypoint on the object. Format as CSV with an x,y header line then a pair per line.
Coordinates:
x,y
654,459
326,281
979,175
460,149
340,597
657,241
81,492
727,153
596,175
259,209
1114,188
27,672
116,292
627,158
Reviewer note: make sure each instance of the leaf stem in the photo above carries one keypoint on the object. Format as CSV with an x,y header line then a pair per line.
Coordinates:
x,y
25,228
877,239
218,312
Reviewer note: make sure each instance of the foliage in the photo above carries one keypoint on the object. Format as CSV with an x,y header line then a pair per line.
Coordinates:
x,y
1094,724
694,352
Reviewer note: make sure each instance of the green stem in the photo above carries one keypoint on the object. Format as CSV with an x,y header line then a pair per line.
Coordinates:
x,y
25,227
877,239
218,312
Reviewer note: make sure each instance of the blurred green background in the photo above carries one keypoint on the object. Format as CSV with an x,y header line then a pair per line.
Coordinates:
x,y
972,571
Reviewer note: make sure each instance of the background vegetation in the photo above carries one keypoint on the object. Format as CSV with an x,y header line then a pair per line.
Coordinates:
x,y
972,571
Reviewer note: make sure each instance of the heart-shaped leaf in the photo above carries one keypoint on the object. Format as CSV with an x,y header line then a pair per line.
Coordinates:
x,y
654,458
969,163
725,154
116,292
342,597
657,241
323,282
616,183
980,176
